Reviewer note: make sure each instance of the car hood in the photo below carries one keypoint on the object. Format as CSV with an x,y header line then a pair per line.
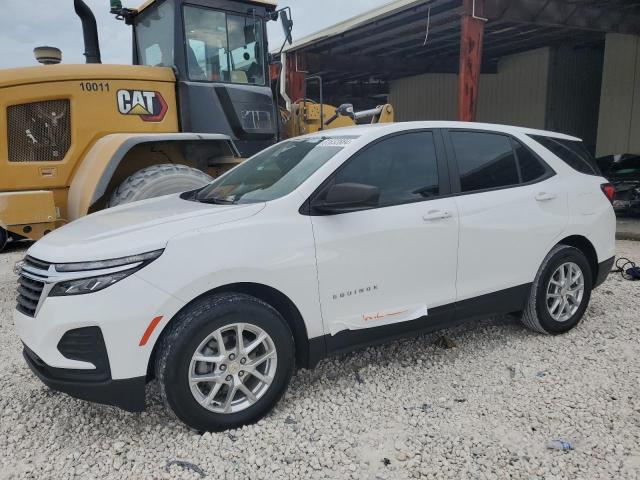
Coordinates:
x,y
134,228
625,182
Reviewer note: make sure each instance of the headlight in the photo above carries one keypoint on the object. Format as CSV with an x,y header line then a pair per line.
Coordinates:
x,y
89,285
118,269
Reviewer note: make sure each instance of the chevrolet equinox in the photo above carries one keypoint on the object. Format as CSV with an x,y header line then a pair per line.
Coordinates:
x,y
315,246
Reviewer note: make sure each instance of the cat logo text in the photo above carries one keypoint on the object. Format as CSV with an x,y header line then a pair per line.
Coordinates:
x,y
149,106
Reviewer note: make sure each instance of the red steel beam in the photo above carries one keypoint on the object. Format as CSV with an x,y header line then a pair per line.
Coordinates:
x,y
295,79
274,72
470,59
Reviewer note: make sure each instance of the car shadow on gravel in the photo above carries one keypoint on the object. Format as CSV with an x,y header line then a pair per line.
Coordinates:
x,y
68,414
479,336
404,350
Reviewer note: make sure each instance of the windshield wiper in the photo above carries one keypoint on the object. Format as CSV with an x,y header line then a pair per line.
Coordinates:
x,y
216,201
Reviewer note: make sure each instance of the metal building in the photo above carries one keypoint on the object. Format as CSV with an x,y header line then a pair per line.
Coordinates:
x,y
566,65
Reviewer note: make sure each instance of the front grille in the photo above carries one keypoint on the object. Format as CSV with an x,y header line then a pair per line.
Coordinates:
x,y
29,292
35,263
30,289
40,131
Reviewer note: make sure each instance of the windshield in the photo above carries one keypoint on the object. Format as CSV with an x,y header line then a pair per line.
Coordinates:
x,y
224,47
273,173
154,35
626,166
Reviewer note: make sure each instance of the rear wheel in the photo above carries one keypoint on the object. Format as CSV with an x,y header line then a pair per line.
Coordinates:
x,y
560,293
158,180
225,362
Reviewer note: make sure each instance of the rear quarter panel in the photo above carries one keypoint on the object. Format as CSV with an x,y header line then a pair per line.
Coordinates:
x,y
591,214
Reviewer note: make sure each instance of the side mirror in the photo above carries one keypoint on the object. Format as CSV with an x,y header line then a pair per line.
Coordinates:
x,y
348,197
287,25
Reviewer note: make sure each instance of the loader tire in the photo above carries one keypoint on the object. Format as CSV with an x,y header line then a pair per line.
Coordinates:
x,y
158,180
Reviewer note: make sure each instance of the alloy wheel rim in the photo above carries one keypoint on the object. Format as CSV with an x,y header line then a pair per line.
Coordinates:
x,y
232,368
565,292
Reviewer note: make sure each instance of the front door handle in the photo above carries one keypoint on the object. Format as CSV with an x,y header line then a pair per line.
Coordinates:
x,y
545,197
436,215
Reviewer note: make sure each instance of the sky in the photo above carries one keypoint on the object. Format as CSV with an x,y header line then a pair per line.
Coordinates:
x,y
54,23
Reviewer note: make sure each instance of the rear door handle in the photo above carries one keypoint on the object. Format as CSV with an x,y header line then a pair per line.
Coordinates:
x,y
545,197
436,215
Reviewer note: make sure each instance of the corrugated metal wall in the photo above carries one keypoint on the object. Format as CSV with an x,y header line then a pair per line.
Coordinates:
x,y
580,91
516,95
574,91
619,122
425,97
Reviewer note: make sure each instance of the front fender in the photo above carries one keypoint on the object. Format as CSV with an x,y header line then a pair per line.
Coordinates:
x,y
103,159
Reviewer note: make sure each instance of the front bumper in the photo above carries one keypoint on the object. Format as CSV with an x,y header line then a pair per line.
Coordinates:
x,y
121,314
126,394
28,214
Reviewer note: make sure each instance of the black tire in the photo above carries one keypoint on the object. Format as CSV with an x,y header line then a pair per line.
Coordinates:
x,y
158,180
536,314
4,238
190,328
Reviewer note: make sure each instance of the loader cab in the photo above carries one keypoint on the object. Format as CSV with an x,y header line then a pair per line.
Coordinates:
x,y
219,51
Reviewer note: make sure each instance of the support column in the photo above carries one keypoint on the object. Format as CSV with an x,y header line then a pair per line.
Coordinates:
x,y
294,78
471,38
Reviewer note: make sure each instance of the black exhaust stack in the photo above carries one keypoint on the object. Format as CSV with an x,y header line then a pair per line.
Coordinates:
x,y
89,31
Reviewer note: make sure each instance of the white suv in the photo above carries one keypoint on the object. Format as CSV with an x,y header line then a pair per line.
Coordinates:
x,y
317,245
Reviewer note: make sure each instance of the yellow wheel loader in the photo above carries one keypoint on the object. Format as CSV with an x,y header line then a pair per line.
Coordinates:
x,y
197,100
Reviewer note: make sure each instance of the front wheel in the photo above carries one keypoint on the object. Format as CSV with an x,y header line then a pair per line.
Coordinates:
x,y
560,292
225,362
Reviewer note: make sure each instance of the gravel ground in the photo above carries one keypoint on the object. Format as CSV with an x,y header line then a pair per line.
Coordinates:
x,y
412,409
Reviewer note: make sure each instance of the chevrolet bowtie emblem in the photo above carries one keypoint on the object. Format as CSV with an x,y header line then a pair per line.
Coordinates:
x,y
17,268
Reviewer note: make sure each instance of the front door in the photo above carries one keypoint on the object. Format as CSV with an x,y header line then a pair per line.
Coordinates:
x,y
382,269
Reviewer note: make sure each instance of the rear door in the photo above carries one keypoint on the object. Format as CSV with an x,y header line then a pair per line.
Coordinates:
x,y
511,206
382,269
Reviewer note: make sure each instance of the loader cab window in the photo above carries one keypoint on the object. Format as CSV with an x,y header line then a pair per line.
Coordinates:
x,y
222,47
154,34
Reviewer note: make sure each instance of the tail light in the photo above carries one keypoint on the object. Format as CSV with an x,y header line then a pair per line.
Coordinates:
x,y
609,191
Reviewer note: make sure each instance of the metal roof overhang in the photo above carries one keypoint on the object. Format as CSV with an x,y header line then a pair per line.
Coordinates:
x,y
389,42
271,4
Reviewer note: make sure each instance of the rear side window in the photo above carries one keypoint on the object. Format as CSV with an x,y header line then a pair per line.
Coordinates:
x,y
571,152
485,160
531,167
403,167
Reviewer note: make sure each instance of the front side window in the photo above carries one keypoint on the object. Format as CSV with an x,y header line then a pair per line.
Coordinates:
x,y
572,152
404,168
154,34
485,160
273,173
222,47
